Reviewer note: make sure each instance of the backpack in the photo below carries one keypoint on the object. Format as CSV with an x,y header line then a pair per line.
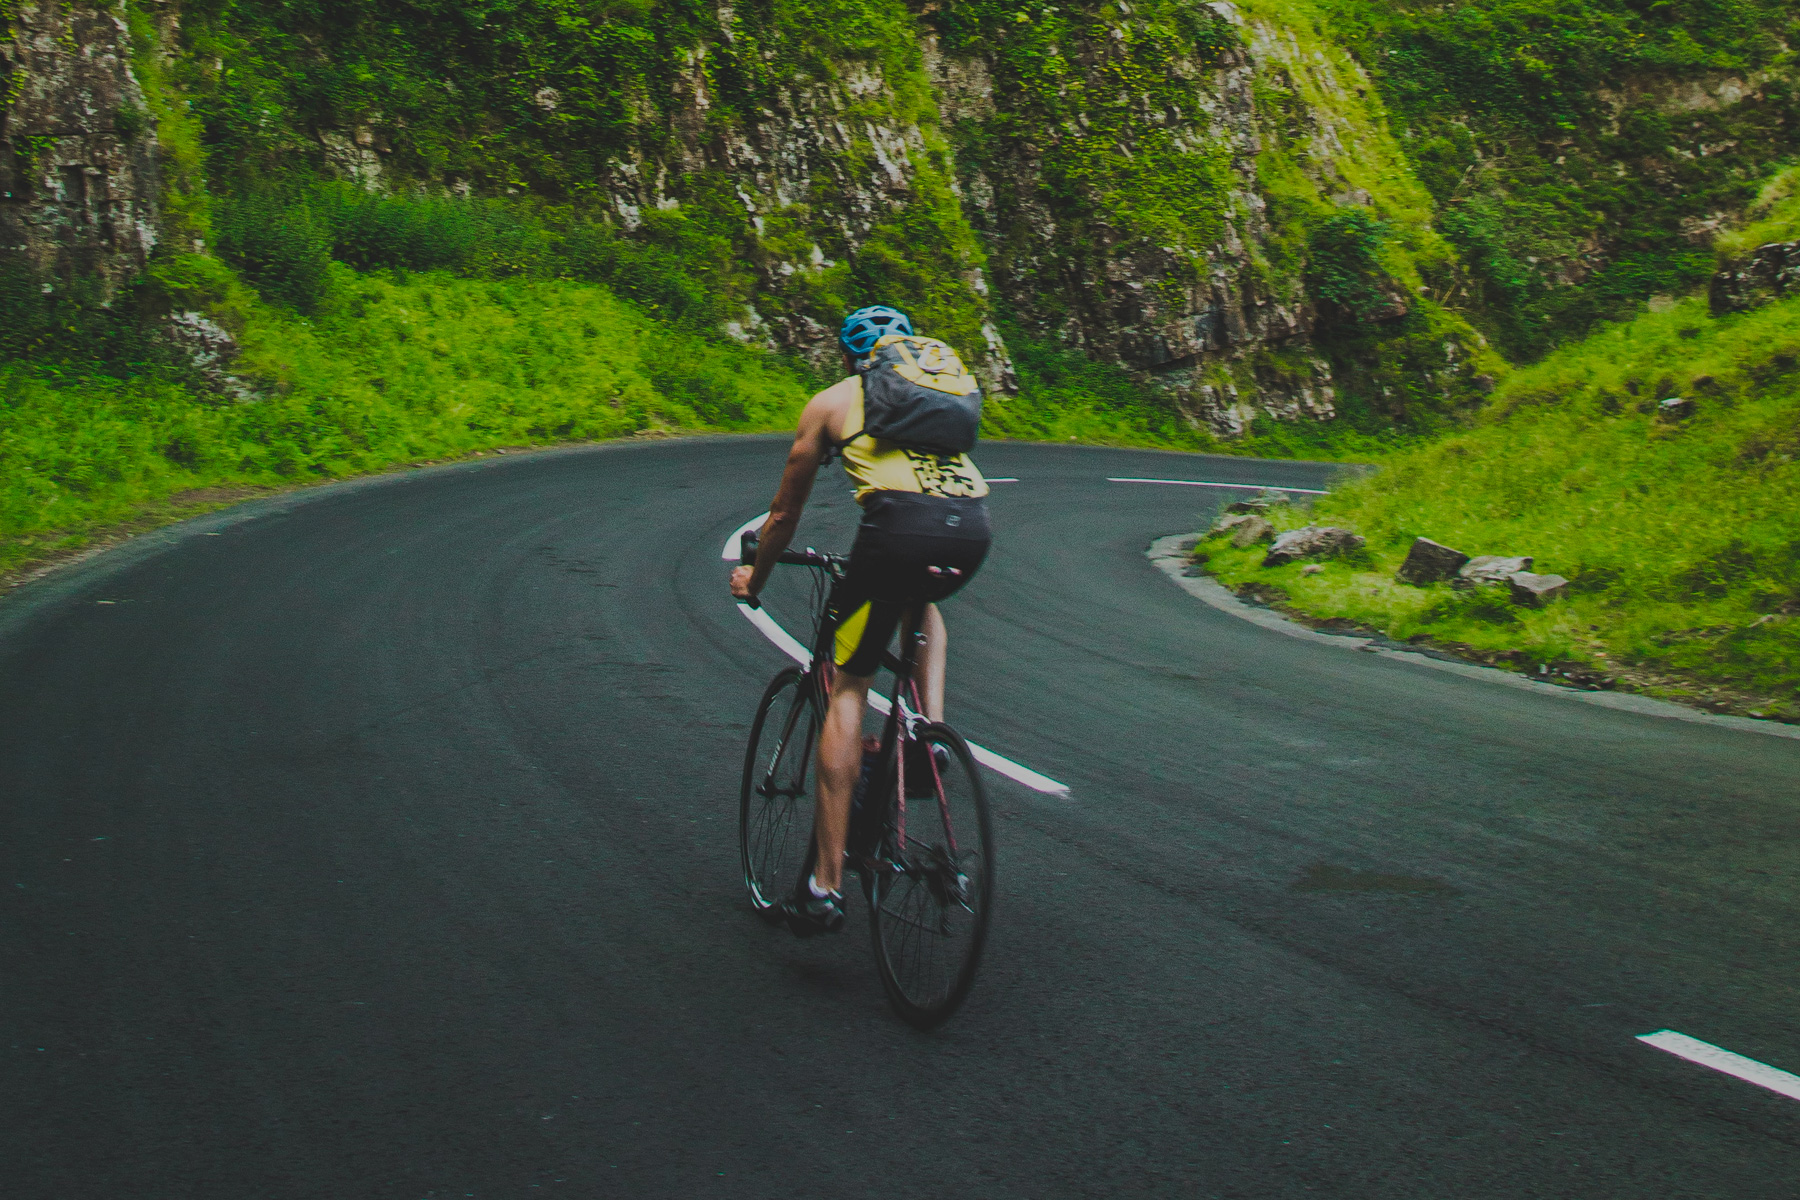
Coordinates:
x,y
918,395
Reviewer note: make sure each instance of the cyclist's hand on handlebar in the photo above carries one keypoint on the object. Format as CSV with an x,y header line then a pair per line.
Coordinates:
x,y
740,584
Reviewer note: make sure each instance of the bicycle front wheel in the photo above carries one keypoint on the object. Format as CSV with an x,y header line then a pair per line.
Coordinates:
x,y
775,806
933,891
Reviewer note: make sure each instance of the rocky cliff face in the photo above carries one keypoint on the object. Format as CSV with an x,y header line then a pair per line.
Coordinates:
x,y
1211,195
1073,249
827,171
1130,180
1115,164
1139,173
78,163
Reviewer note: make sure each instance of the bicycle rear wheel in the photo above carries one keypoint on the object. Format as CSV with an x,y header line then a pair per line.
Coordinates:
x,y
933,891
775,807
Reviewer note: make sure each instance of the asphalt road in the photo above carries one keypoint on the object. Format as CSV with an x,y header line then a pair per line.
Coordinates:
x,y
380,841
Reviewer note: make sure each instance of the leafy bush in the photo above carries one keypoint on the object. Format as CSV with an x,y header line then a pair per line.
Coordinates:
x,y
282,248
1343,263
1564,149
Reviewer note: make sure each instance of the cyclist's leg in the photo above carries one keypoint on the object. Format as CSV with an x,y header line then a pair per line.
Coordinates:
x,y
860,627
840,761
932,658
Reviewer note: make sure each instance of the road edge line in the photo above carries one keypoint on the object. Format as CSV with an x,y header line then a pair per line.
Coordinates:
x,y
1248,487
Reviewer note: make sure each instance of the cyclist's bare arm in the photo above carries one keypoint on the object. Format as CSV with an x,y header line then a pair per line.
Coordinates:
x,y
812,440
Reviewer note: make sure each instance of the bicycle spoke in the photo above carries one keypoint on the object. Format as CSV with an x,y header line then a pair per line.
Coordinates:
x,y
930,920
775,808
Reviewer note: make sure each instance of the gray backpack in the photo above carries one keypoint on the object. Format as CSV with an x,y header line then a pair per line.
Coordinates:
x,y
918,395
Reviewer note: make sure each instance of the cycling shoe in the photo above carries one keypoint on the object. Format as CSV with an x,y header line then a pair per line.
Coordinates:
x,y
808,914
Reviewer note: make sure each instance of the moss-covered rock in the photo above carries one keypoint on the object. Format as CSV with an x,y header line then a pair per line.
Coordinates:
x,y
1169,185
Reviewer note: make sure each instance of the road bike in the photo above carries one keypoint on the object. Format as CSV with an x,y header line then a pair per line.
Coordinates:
x,y
920,838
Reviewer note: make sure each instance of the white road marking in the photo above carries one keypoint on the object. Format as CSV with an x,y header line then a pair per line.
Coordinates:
x,y
733,551
771,629
1018,773
790,646
1003,479
1251,487
1709,1055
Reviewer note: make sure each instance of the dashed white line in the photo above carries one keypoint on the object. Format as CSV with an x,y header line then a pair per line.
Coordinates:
x,y
1709,1055
789,645
1003,479
1250,487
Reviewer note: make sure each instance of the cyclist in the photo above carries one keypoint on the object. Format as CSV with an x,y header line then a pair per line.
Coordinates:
x,y
924,533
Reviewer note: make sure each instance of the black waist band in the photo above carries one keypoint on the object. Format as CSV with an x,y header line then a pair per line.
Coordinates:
x,y
918,515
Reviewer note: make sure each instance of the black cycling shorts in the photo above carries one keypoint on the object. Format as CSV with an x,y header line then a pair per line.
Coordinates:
x,y
902,536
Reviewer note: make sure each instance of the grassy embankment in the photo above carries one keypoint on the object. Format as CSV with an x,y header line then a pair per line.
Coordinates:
x,y
389,369
1681,538
383,329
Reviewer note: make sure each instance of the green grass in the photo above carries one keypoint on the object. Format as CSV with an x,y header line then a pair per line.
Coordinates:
x,y
1564,165
391,369
1682,539
1773,217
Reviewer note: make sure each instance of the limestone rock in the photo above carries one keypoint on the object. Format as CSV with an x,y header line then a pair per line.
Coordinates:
x,y
1430,562
1229,521
1255,504
1227,342
837,148
1490,569
211,350
1252,530
78,154
1314,541
1536,590
1770,272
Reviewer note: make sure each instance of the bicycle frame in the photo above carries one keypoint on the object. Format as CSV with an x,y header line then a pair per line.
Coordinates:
x,y
903,718
905,715
929,890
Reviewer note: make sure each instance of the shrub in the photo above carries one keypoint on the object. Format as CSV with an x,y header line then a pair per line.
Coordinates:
x,y
282,248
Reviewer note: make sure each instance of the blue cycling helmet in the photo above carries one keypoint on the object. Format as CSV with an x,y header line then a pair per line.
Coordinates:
x,y
866,326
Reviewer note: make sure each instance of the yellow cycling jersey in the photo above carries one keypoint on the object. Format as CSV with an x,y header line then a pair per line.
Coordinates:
x,y
881,466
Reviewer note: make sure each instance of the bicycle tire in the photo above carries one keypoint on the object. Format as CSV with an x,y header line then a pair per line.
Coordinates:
x,y
775,817
929,932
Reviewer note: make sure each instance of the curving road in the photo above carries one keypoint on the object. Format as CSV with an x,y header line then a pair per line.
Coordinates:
x,y
380,841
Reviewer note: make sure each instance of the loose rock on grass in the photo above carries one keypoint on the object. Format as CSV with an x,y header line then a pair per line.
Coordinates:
x,y
1490,569
1256,504
1228,522
1251,531
1429,562
1770,272
1246,529
1535,590
1314,541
